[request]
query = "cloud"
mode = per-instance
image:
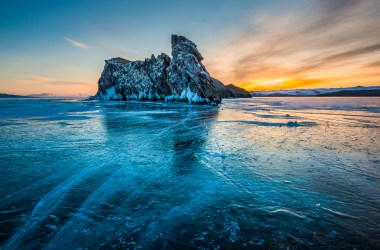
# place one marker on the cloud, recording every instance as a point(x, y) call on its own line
point(77, 44)
point(53, 81)
point(352, 53)
point(373, 64)
point(336, 58)
point(320, 39)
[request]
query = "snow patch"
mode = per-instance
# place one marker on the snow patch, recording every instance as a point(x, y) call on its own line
point(110, 95)
point(192, 97)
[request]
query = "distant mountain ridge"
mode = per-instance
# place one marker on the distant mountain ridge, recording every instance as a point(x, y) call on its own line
point(354, 91)
point(41, 96)
point(2, 95)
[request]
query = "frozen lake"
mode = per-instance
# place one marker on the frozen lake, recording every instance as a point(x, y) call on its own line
point(257, 173)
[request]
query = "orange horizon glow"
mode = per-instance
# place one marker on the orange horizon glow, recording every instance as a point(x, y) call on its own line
point(57, 87)
point(289, 84)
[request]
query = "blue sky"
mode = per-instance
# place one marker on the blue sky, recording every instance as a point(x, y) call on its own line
point(59, 47)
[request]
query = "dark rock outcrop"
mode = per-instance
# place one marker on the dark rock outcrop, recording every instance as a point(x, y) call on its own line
point(237, 92)
point(221, 88)
point(182, 78)
point(230, 90)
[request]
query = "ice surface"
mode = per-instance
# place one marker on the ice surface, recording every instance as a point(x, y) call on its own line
point(252, 173)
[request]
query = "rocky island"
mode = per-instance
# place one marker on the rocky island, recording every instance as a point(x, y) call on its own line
point(180, 78)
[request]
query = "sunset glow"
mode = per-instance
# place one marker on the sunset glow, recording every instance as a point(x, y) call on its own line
point(189, 124)
point(257, 45)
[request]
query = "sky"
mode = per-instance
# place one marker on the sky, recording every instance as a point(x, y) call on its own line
point(59, 47)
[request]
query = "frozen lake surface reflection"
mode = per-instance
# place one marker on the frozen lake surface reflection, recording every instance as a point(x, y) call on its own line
point(252, 173)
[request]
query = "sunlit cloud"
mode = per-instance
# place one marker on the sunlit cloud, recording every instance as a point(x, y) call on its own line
point(319, 44)
point(77, 44)
point(373, 64)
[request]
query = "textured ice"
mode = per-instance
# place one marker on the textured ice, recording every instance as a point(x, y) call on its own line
point(89, 174)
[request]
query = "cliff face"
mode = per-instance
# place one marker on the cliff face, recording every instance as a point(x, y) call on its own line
point(182, 78)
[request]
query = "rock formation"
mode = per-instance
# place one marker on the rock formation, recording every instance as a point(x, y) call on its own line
point(182, 78)
point(236, 92)
point(230, 90)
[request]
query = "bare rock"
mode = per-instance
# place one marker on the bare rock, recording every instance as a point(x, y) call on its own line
point(182, 78)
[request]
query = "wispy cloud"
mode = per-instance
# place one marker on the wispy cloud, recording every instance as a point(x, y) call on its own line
point(77, 44)
point(373, 64)
point(322, 40)
point(53, 81)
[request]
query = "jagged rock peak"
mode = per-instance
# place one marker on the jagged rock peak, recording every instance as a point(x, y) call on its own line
point(182, 78)
point(181, 44)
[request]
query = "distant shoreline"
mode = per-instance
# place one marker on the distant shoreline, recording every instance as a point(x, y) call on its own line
point(261, 96)
point(342, 92)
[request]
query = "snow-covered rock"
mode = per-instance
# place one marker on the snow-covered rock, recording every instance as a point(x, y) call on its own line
point(182, 78)
point(139, 80)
